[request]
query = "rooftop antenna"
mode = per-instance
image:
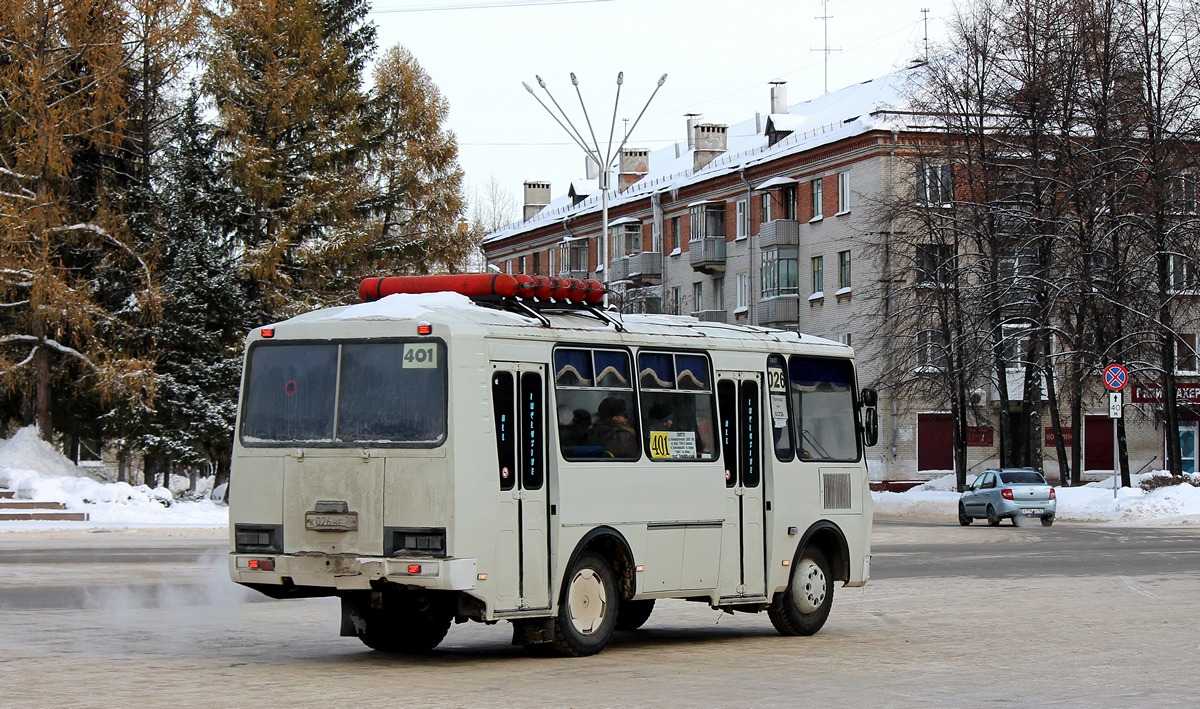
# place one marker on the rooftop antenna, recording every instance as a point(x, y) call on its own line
point(825, 17)
point(925, 12)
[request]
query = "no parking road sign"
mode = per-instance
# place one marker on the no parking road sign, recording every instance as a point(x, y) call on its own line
point(1115, 377)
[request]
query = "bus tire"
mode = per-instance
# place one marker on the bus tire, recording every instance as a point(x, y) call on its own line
point(803, 607)
point(408, 629)
point(634, 614)
point(587, 614)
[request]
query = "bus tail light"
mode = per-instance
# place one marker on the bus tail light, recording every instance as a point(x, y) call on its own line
point(1006, 493)
point(261, 564)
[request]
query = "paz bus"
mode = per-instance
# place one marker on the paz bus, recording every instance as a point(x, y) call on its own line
point(490, 447)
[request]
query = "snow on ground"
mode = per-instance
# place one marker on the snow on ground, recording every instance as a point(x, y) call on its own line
point(1094, 502)
point(34, 470)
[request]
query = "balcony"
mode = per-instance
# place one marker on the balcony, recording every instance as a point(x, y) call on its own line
point(780, 232)
point(581, 275)
point(708, 255)
point(644, 269)
point(711, 316)
point(779, 311)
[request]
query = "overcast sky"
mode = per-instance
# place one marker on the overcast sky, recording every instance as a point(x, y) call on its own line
point(719, 57)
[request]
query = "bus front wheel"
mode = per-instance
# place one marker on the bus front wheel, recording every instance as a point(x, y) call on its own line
point(803, 607)
point(587, 614)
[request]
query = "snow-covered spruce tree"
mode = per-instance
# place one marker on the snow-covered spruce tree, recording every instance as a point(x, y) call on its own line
point(291, 109)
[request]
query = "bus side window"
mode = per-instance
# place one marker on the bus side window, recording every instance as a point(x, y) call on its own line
point(504, 416)
point(778, 408)
point(597, 413)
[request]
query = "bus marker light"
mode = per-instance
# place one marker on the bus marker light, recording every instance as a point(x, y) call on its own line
point(414, 568)
point(267, 332)
point(424, 328)
point(787, 562)
point(640, 568)
point(481, 577)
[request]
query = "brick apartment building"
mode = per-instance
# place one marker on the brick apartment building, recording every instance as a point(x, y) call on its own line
point(775, 222)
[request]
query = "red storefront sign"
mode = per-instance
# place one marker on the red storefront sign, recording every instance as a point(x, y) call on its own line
point(979, 436)
point(1184, 393)
point(1067, 434)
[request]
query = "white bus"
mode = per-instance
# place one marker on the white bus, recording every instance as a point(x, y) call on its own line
point(432, 458)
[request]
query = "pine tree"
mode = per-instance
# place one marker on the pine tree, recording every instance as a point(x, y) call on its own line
point(419, 206)
point(291, 114)
point(62, 118)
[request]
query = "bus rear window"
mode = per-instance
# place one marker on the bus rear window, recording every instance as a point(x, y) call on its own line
point(380, 393)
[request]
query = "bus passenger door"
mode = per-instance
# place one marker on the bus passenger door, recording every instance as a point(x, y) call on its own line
point(522, 575)
point(744, 538)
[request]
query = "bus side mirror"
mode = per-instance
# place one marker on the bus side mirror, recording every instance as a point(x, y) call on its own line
point(870, 417)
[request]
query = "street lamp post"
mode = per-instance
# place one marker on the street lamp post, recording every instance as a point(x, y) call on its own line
point(593, 151)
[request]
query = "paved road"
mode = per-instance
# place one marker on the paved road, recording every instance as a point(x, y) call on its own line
point(1071, 616)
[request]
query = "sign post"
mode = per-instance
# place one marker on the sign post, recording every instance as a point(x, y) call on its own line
point(1115, 378)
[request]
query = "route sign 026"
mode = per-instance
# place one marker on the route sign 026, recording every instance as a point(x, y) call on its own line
point(1115, 377)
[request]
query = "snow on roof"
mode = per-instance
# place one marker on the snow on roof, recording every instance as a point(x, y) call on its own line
point(847, 112)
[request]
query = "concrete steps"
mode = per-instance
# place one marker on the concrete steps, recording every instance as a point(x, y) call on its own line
point(33, 510)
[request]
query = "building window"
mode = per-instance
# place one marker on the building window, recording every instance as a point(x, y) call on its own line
point(789, 202)
point(844, 338)
point(521, 265)
point(779, 272)
point(765, 199)
point(674, 239)
point(537, 262)
point(934, 185)
point(818, 198)
point(743, 219)
point(718, 294)
point(843, 192)
point(707, 222)
point(550, 261)
point(743, 290)
point(931, 350)
point(1185, 354)
point(818, 274)
point(625, 240)
point(573, 258)
point(1014, 345)
point(843, 270)
point(676, 296)
point(1183, 273)
point(935, 264)
point(1183, 193)
point(698, 296)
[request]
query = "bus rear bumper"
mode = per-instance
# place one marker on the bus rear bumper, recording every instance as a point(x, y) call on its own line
point(350, 573)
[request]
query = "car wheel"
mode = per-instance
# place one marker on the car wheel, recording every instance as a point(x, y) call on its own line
point(634, 614)
point(963, 518)
point(587, 613)
point(804, 606)
point(1047, 521)
point(993, 520)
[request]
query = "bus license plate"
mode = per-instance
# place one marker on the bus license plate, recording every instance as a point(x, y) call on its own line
point(331, 521)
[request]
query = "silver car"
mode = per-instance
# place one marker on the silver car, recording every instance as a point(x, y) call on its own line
point(1008, 492)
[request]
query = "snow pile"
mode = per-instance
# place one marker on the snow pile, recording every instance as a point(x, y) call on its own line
point(33, 470)
point(1094, 502)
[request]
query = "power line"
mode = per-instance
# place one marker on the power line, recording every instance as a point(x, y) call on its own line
point(476, 5)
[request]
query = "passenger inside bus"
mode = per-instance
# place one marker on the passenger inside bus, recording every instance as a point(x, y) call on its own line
point(577, 430)
point(612, 429)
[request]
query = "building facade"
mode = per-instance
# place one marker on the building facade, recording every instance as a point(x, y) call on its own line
point(781, 221)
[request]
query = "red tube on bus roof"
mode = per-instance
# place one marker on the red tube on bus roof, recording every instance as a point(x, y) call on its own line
point(468, 284)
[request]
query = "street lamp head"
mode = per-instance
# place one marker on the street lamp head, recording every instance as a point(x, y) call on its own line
point(662, 80)
point(620, 78)
point(574, 81)
point(527, 86)
point(539, 80)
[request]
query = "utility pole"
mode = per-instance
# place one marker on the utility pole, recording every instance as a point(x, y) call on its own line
point(592, 149)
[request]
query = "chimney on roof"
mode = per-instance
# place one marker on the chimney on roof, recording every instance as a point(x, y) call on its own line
point(634, 165)
point(537, 196)
point(692, 120)
point(710, 142)
point(779, 97)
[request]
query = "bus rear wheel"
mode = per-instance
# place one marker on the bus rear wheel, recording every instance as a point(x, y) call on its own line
point(634, 614)
point(587, 612)
point(411, 626)
point(803, 607)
